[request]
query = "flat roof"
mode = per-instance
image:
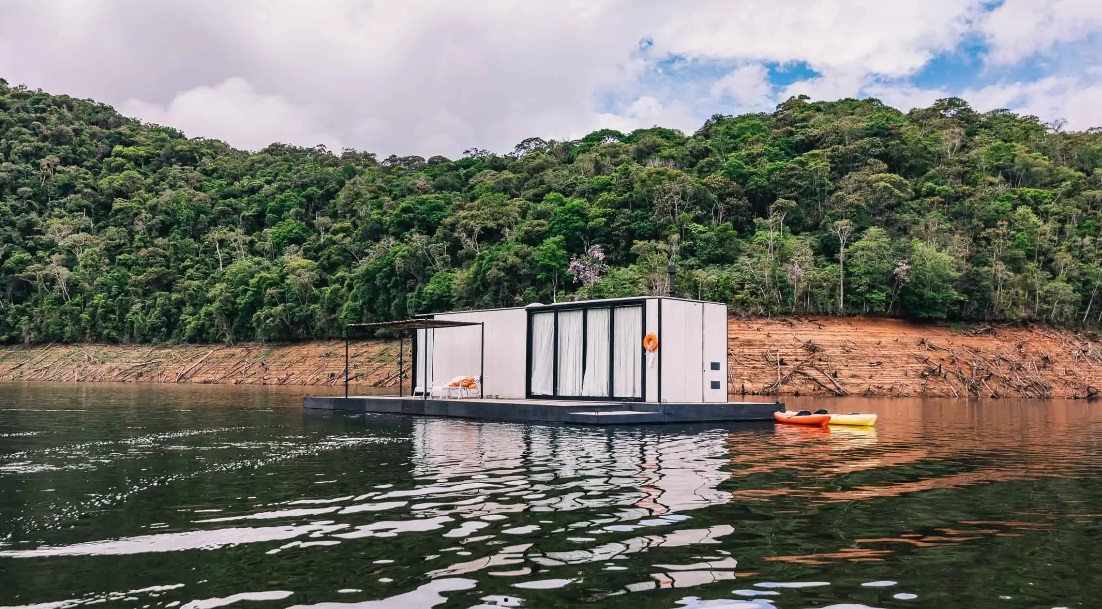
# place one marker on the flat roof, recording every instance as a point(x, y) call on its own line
point(414, 324)
point(576, 303)
point(600, 301)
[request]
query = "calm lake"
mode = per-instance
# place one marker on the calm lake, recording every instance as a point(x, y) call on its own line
point(203, 497)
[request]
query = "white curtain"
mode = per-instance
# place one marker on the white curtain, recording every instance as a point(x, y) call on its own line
point(627, 377)
point(570, 353)
point(595, 383)
point(423, 364)
point(543, 354)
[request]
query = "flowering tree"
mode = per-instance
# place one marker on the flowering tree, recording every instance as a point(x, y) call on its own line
point(796, 275)
point(588, 268)
point(902, 274)
point(795, 272)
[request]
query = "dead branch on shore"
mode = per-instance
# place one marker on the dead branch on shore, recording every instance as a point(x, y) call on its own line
point(390, 379)
point(815, 362)
point(781, 380)
point(193, 366)
point(838, 390)
point(811, 347)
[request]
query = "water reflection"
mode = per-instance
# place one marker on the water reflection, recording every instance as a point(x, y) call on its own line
point(209, 498)
point(655, 471)
point(427, 595)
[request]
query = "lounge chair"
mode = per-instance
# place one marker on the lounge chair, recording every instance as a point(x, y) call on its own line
point(472, 389)
point(449, 389)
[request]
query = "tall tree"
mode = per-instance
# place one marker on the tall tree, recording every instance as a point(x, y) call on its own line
point(842, 229)
point(114, 230)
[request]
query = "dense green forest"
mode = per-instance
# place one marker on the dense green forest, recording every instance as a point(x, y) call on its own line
point(114, 230)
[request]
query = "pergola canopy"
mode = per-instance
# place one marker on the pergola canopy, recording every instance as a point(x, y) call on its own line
point(424, 323)
point(414, 324)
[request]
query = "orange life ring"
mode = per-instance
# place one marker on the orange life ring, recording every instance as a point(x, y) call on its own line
point(650, 343)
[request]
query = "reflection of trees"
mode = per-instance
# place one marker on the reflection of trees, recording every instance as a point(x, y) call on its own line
point(995, 491)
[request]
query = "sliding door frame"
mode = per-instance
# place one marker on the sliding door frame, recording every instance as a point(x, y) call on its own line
point(640, 303)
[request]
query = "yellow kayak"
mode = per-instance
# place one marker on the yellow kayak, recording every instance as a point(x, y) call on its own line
point(857, 419)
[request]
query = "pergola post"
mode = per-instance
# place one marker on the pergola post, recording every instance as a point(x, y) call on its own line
point(346, 362)
point(401, 352)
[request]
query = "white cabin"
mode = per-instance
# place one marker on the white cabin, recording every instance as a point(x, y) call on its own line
point(588, 350)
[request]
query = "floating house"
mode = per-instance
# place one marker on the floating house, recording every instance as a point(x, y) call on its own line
point(614, 361)
point(588, 350)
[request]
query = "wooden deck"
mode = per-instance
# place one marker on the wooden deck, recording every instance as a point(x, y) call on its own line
point(550, 411)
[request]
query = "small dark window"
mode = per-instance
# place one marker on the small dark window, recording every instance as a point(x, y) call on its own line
point(715, 365)
point(715, 385)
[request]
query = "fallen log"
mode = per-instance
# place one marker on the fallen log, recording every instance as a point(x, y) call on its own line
point(193, 366)
point(776, 385)
point(830, 377)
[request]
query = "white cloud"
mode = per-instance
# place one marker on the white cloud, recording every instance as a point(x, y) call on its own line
point(235, 111)
point(829, 86)
point(1020, 94)
point(1083, 107)
point(416, 76)
point(889, 38)
point(1017, 29)
point(650, 112)
point(747, 85)
point(1049, 98)
point(904, 97)
point(439, 76)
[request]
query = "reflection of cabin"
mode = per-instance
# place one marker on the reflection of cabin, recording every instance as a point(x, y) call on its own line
point(674, 471)
point(590, 350)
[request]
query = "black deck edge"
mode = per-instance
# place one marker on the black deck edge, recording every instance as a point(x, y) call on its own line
point(535, 412)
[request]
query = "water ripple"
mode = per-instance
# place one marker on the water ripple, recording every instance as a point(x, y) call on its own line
point(278, 509)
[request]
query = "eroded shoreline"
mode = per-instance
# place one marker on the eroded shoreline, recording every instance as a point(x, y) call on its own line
point(794, 356)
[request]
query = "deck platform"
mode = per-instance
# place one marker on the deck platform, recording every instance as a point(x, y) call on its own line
point(550, 411)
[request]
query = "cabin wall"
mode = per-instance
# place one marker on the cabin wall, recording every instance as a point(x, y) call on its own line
point(681, 344)
point(715, 352)
point(693, 346)
point(457, 351)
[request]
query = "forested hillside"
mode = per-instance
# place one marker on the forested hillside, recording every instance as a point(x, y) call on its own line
point(111, 230)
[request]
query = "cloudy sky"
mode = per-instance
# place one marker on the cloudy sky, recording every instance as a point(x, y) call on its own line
point(440, 76)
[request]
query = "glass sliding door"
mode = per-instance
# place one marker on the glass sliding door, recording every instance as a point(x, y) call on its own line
point(627, 362)
point(543, 354)
point(571, 337)
point(598, 354)
point(587, 352)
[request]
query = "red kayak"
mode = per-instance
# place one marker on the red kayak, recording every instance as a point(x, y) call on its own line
point(791, 418)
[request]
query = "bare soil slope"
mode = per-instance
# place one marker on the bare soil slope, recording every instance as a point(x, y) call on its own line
point(372, 363)
point(885, 357)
